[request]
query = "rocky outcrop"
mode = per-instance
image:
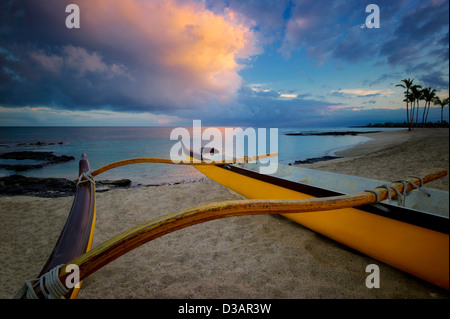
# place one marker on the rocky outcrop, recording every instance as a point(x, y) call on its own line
point(316, 159)
point(48, 158)
point(35, 186)
point(48, 187)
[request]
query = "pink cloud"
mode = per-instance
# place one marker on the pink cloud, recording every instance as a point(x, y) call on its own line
point(158, 55)
point(50, 63)
point(77, 60)
point(335, 107)
point(183, 54)
point(83, 61)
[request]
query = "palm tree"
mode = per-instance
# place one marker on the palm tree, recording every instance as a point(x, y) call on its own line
point(428, 95)
point(407, 85)
point(416, 97)
point(409, 98)
point(437, 101)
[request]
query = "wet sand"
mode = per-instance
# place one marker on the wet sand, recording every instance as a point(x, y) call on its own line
point(240, 257)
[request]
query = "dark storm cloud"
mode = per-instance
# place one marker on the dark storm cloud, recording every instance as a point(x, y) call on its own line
point(267, 109)
point(156, 56)
point(408, 34)
point(422, 28)
point(436, 80)
point(131, 57)
point(268, 16)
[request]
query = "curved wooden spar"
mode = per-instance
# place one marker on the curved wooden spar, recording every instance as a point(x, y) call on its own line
point(110, 166)
point(141, 234)
point(78, 232)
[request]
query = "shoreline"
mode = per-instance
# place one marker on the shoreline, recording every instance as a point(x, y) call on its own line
point(394, 155)
point(380, 141)
point(259, 256)
point(50, 187)
point(17, 184)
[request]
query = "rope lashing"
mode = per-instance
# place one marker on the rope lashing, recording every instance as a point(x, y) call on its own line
point(374, 192)
point(388, 188)
point(421, 184)
point(419, 178)
point(86, 177)
point(49, 283)
point(400, 195)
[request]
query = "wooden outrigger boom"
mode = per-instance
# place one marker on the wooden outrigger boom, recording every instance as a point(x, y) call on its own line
point(139, 235)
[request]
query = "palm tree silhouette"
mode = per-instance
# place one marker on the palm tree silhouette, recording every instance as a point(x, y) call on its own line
point(407, 85)
point(416, 97)
point(428, 94)
point(437, 101)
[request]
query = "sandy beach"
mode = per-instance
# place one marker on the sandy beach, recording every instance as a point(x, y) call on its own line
point(240, 257)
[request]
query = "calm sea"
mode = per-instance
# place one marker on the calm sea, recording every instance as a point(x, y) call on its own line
point(104, 145)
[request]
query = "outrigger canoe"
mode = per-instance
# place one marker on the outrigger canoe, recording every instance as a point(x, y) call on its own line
point(411, 235)
point(408, 232)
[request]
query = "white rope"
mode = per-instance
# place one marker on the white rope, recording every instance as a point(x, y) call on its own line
point(401, 196)
point(388, 188)
point(86, 177)
point(51, 286)
point(420, 186)
point(28, 289)
point(418, 177)
point(374, 192)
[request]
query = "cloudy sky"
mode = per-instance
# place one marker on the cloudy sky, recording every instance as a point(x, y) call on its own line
point(225, 62)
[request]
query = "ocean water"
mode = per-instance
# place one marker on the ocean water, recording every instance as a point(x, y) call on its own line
point(105, 145)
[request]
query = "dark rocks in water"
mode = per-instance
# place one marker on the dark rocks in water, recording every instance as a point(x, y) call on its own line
point(39, 143)
point(47, 187)
point(317, 159)
point(35, 186)
point(21, 167)
point(49, 157)
point(38, 156)
point(116, 183)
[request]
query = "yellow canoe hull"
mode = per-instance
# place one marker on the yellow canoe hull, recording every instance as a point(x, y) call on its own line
point(416, 250)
